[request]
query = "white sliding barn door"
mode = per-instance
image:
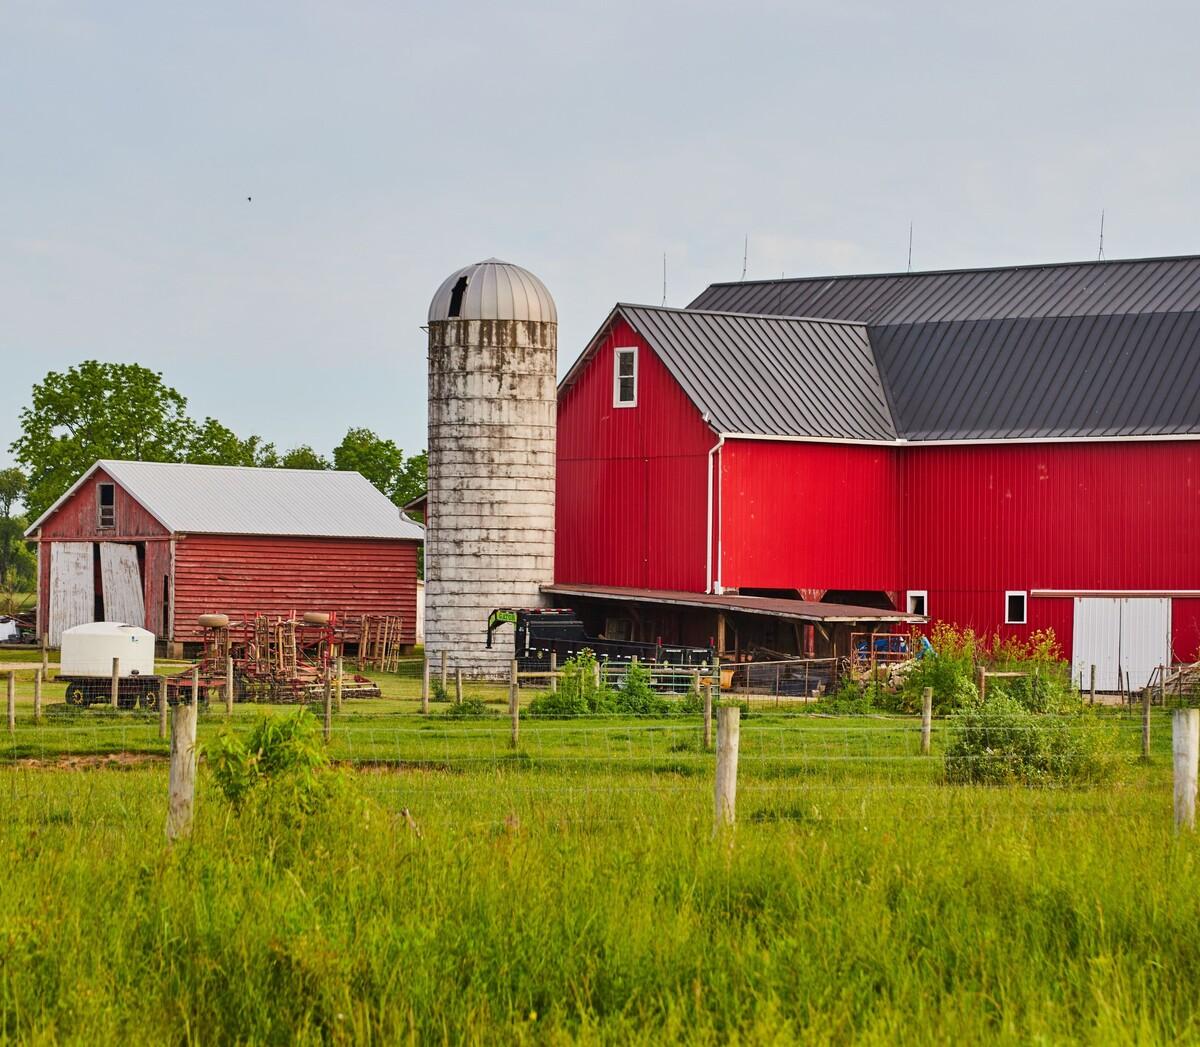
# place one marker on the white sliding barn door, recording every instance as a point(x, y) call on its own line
point(124, 600)
point(72, 587)
point(1122, 637)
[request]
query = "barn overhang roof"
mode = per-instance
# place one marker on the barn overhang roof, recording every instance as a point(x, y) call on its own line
point(795, 610)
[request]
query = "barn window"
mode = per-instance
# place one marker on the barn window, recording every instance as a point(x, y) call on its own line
point(918, 601)
point(625, 378)
point(1015, 609)
point(106, 506)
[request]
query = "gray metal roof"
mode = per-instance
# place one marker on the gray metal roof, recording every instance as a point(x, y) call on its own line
point(768, 374)
point(223, 499)
point(493, 290)
point(1079, 350)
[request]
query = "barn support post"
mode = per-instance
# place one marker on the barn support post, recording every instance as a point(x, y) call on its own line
point(1185, 755)
point(328, 707)
point(162, 707)
point(514, 703)
point(554, 672)
point(458, 692)
point(926, 719)
point(1146, 723)
point(116, 681)
point(228, 687)
point(425, 685)
point(37, 696)
point(12, 702)
point(708, 707)
point(182, 773)
point(725, 788)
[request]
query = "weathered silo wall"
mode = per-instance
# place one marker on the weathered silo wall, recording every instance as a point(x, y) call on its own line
point(489, 539)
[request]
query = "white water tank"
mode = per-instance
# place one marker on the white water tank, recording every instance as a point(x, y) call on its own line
point(489, 522)
point(88, 650)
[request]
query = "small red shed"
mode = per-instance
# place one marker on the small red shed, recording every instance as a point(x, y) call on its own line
point(159, 544)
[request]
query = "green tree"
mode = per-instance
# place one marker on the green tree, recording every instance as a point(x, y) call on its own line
point(383, 463)
point(215, 444)
point(302, 457)
point(97, 410)
point(18, 568)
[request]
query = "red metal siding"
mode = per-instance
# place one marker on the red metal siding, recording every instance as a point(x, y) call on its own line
point(809, 516)
point(632, 492)
point(242, 576)
point(77, 520)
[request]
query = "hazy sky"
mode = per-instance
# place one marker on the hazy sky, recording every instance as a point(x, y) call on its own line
point(386, 144)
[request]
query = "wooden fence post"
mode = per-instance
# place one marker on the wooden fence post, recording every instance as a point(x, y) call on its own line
point(445, 671)
point(37, 696)
point(195, 685)
point(162, 707)
point(1092, 688)
point(708, 706)
point(425, 684)
point(982, 684)
point(553, 672)
point(1162, 686)
point(182, 774)
point(458, 685)
point(926, 719)
point(596, 675)
point(116, 681)
point(12, 702)
point(228, 687)
point(339, 683)
point(45, 653)
point(725, 791)
point(696, 682)
point(328, 707)
point(1185, 754)
point(1146, 723)
point(514, 703)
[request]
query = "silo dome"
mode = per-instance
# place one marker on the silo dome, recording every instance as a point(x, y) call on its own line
point(493, 290)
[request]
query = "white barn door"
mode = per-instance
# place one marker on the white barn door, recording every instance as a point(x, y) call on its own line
point(1127, 636)
point(124, 600)
point(72, 587)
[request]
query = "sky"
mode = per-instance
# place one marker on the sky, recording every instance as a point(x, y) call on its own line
point(258, 200)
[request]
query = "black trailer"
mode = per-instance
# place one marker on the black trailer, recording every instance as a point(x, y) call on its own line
point(538, 631)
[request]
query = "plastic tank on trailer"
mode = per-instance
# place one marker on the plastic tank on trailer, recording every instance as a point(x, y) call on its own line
point(88, 650)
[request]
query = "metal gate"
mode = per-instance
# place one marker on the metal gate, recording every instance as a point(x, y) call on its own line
point(1125, 638)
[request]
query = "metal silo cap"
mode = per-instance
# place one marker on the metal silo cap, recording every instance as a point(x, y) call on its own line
point(493, 290)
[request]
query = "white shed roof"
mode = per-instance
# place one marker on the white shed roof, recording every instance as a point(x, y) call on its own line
point(230, 499)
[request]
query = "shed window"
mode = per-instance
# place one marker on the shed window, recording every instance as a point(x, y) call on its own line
point(106, 506)
point(625, 378)
point(917, 601)
point(1015, 607)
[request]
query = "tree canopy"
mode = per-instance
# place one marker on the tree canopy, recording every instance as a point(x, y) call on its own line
point(126, 411)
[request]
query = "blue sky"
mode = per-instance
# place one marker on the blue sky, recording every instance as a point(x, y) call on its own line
point(385, 145)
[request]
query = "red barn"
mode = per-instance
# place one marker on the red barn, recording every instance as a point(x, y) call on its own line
point(1010, 449)
point(159, 545)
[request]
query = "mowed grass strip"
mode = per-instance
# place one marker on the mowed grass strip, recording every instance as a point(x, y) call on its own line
point(571, 890)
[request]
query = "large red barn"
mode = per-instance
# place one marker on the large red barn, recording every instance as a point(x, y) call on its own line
point(159, 544)
point(1010, 449)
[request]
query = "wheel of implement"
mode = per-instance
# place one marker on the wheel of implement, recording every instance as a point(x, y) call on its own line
point(214, 621)
point(316, 618)
point(76, 696)
point(150, 699)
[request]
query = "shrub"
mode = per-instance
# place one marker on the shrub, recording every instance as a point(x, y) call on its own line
point(636, 696)
point(949, 669)
point(438, 693)
point(1003, 743)
point(577, 693)
point(470, 708)
point(282, 756)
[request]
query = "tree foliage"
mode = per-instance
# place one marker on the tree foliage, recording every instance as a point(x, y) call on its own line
point(383, 463)
point(18, 568)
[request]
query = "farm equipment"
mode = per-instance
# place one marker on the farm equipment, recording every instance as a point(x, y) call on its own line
point(538, 631)
point(86, 665)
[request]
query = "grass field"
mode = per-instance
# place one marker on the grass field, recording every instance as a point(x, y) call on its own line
point(572, 891)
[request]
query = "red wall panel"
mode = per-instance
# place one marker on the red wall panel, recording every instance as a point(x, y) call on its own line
point(809, 516)
point(242, 576)
point(632, 492)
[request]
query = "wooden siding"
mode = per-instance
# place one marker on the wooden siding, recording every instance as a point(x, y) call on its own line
point(77, 520)
point(242, 576)
point(631, 503)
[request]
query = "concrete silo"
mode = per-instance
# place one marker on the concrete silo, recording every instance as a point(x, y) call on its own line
point(489, 539)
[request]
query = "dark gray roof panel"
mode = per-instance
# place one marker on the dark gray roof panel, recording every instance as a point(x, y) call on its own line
point(1089, 349)
point(771, 375)
point(1071, 289)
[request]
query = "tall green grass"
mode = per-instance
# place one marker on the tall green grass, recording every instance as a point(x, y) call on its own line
point(573, 891)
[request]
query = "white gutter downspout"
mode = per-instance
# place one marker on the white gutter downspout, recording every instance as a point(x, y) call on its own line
point(709, 549)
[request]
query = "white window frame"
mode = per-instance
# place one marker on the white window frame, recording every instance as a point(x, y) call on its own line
point(1024, 594)
point(617, 353)
point(923, 594)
